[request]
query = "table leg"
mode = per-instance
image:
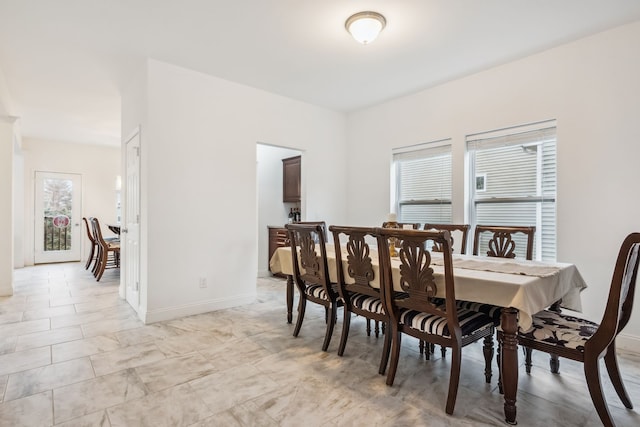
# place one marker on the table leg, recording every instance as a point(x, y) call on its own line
point(289, 298)
point(509, 362)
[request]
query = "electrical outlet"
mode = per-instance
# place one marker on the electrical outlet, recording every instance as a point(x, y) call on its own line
point(203, 282)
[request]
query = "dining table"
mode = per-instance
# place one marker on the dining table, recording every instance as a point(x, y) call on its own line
point(115, 228)
point(522, 288)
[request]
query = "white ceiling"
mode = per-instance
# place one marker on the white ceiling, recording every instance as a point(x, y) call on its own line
point(65, 62)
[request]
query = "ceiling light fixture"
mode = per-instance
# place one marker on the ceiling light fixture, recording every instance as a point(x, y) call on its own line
point(365, 26)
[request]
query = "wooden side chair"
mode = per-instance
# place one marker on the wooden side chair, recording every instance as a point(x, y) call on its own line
point(587, 342)
point(463, 229)
point(404, 225)
point(451, 228)
point(358, 294)
point(322, 224)
point(92, 241)
point(414, 312)
point(311, 275)
point(104, 249)
point(501, 243)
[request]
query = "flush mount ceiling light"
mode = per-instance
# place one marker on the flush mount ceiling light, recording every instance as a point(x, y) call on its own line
point(365, 26)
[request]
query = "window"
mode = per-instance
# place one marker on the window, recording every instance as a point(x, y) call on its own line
point(423, 182)
point(514, 173)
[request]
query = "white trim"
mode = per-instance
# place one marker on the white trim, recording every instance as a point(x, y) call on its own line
point(169, 313)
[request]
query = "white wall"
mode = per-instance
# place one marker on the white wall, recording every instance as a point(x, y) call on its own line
point(98, 166)
point(590, 86)
point(271, 209)
point(199, 182)
point(7, 133)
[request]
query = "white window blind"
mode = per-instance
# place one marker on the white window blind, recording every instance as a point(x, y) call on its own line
point(423, 182)
point(513, 174)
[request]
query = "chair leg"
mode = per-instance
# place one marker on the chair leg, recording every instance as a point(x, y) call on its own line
point(345, 330)
point(498, 360)
point(421, 346)
point(443, 351)
point(386, 348)
point(90, 258)
point(454, 379)
point(102, 266)
point(396, 340)
point(554, 364)
point(368, 327)
point(611, 362)
point(377, 328)
point(527, 359)
point(487, 350)
point(302, 305)
point(331, 314)
point(592, 374)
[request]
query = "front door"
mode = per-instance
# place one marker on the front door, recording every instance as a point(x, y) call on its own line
point(57, 217)
point(131, 235)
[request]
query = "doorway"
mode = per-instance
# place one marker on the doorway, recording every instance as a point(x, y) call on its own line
point(131, 230)
point(272, 210)
point(57, 217)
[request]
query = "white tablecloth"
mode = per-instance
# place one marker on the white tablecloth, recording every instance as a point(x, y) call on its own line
point(528, 286)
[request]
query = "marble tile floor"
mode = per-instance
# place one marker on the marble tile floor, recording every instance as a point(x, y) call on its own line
point(73, 354)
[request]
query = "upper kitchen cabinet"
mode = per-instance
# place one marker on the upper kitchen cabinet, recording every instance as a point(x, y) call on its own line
point(291, 179)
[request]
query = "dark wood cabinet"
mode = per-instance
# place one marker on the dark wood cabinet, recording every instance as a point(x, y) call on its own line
point(291, 179)
point(278, 237)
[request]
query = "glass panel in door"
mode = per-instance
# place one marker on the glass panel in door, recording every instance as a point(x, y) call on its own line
point(57, 220)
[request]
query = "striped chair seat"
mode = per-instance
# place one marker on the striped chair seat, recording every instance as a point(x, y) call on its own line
point(366, 302)
point(470, 322)
point(560, 330)
point(493, 311)
point(316, 291)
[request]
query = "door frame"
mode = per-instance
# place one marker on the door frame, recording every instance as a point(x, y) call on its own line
point(131, 251)
point(40, 256)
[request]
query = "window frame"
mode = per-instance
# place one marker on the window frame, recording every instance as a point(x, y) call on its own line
point(416, 152)
point(535, 134)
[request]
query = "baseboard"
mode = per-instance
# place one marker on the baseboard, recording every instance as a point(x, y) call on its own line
point(170, 313)
point(264, 273)
point(629, 343)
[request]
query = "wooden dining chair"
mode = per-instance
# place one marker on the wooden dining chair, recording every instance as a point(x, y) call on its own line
point(414, 312)
point(322, 224)
point(587, 342)
point(463, 229)
point(403, 225)
point(105, 248)
point(359, 295)
point(311, 275)
point(92, 242)
point(501, 244)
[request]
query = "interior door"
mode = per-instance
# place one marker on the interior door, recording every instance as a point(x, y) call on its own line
point(57, 216)
point(131, 231)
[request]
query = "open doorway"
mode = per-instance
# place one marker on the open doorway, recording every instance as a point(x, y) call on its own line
point(272, 210)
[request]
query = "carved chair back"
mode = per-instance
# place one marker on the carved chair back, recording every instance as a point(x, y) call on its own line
point(358, 267)
point(463, 229)
point(321, 224)
point(404, 225)
point(309, 256)
point(501, 243)
point(417, 281)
